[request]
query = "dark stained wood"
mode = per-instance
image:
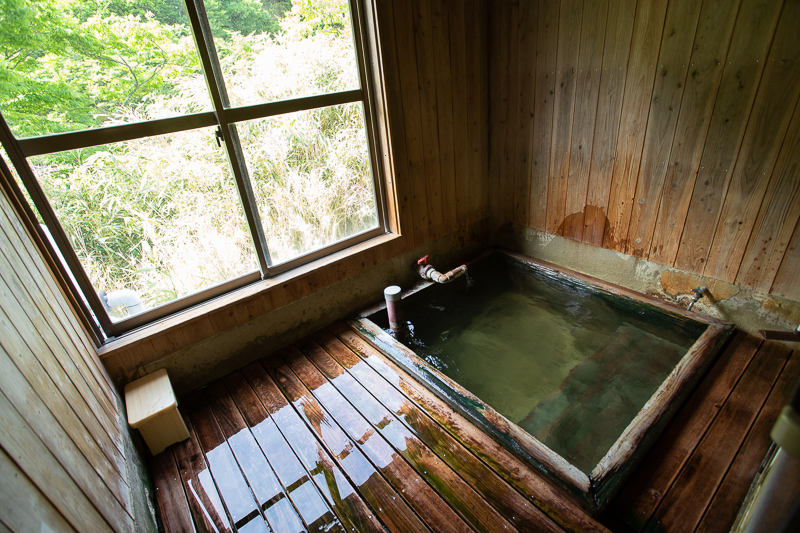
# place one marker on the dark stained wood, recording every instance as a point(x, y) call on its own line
point(412, 484)
point(491, 487)
point(295, 455)
point(205, 505)
point(460, 494)
point(643, 491)
point(721, 514)
point(684, 505)
point(172, 501)
point(274, 499)
point(372, 486)
point(233, 488)
point(556, 503)
point(526, 76)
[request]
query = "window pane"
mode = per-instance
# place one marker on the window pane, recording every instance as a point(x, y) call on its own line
point(159, 216)
point(312, 178)
point(302, 48)
point(72, 65)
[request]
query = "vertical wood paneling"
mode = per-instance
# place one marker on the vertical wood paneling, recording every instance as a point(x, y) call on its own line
point(526, 76)
point(766, 128)
point(60, 424)
point(587, 89)
point(618, 33)
point(647, 30)
point(673, 160)
point(708, 57)
point(778, 216)
point(569, 40)
point(740, 77)
point(546, 50)
point(665, 103)
point(458, 78)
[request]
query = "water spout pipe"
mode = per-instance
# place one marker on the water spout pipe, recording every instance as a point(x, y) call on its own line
point(393, 308)
point(427, 271)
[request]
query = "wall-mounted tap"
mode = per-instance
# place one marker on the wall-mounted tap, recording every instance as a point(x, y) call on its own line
point(699, 292)
point(427, 271)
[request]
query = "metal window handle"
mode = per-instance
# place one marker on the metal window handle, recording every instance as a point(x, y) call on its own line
point(218, 137)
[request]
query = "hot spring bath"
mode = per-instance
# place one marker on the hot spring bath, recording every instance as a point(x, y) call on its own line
point(574, 376)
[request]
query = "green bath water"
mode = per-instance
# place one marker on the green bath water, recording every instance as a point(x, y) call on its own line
point(569, 365)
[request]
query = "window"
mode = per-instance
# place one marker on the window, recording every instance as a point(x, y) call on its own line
point(175, 152)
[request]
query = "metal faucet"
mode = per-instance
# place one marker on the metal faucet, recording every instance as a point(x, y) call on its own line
point(699, 292)
point(427, 271)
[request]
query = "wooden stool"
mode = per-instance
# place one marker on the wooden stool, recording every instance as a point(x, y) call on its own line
point(153, 410)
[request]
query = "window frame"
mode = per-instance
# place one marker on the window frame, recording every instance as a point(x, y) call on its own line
point(224, 118)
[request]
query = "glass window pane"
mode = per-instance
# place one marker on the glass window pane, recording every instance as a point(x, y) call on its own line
point(300, 48)
point(73, 65)
point(312, 178)
point(159, 216)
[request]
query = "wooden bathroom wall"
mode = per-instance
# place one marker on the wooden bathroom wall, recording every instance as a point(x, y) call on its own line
point(667, 130)
point(62, 457)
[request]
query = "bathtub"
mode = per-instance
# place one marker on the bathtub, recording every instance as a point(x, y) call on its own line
point(575, 376)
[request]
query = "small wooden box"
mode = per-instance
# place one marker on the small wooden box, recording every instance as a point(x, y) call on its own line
point(153, 410)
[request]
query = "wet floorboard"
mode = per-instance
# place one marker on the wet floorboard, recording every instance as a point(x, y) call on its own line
point(328, 435)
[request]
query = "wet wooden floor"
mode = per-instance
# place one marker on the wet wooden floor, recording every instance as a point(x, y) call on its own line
point(328, 435)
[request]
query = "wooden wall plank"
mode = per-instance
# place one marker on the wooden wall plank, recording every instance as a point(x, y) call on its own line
point(429, 113)
point(410, 95)
point(647, 31)
point(481, 142)
point(546, 52)
point(526, 76)
point(458, 91)
point(587, 90)
point(511, 118)
point(440, 28)
point(569, 41)
point(22, 506)
point(618, 33)
point(777, 94)
point(740, 77)
point(777, 217)
point(708, 57)
point(31, 455)
point(665, 104)
point(785, 283)
point(499, 104)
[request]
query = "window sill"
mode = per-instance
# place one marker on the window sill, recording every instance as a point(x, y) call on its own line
point(155, 340)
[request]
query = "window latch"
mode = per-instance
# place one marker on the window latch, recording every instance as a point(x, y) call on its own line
point(218, 137)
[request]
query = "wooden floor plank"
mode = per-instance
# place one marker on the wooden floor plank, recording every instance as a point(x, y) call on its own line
point(643, 492)
point(683, 506)
point(205, 504)
point(721, 514)
point(497, 492)
point(552, 500)
point(308, 459)
point(279, 504)
point(395, 513)
point(236, 495)
point(171, 499)
point(459, 493)
point(299, 377)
